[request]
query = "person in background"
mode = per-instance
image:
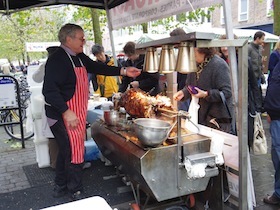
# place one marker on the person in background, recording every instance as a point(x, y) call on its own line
point(212, 76)
point(254, 102)
point(66, 98)
point(23, 68)
point(107, 85)
point(6, 69)
point(92, 78)
point(38, 77)
point(181, 78)
point(145, 81)
point(255, 55)
point(274, 58)
point(223, 51)
point(254, 96)
point(272, 107)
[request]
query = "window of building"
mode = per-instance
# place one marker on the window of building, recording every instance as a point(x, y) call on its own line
point(269, 7)
point(243, 10)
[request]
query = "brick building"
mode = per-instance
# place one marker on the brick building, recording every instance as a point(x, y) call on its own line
point(247, 14)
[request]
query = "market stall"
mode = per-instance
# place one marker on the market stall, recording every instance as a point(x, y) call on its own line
point(155, 154)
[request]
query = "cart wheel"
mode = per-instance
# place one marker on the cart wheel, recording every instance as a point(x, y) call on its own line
point(134, 206)
point(190, 201)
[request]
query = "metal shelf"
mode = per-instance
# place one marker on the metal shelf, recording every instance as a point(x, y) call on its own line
point(173, 40)
point(198, 39)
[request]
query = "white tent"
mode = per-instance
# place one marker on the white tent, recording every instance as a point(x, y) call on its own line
point(240, 33)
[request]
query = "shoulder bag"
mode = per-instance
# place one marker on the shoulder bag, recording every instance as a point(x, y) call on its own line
point(259, 142)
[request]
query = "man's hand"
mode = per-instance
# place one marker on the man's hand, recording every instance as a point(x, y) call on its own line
point(134, 84)
point(132, 71)
point(70, 119)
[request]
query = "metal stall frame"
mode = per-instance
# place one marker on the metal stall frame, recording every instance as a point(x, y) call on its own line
point(199, 39)
point(18, 107)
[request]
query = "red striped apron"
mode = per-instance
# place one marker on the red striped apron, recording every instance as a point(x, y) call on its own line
point(78, 104)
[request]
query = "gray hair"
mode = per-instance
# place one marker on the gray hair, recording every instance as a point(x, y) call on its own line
point(177, 32)
point(97, 49)
point(68, 29)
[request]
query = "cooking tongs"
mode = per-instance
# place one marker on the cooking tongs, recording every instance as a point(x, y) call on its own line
point(178, 115)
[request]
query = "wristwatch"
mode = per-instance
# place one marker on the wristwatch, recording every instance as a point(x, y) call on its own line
point(124, 71)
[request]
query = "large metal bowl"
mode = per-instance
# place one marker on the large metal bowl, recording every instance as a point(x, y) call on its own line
point(151, 132)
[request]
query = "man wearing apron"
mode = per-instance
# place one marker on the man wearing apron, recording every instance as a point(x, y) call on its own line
point(66, 95)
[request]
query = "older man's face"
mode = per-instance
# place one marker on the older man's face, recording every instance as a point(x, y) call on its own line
point(76, 43)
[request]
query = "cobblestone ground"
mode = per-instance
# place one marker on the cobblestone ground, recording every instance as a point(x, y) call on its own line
point(12, 158)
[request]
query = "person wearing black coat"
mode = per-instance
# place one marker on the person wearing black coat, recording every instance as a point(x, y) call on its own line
point(145, 81)
point(272, 107)
point(65, 90)
point(254, 102)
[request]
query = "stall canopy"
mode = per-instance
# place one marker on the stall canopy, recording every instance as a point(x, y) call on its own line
point(10, 6)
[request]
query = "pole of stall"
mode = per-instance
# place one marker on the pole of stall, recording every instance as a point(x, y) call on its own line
point(109, 21)
point(240, 101)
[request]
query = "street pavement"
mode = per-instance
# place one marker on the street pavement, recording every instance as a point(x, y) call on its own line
point(12, 159)
point(13, 178)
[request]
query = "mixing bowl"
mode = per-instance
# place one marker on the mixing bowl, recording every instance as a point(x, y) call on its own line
point(151, 132)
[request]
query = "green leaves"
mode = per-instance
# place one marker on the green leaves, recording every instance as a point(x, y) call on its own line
point(34, 25)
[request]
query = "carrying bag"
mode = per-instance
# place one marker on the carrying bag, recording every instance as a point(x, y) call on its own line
point(214, 122)
point(193, 113)
point(259, 142)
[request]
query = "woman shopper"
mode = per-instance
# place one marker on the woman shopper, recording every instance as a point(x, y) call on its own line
point(211, 78)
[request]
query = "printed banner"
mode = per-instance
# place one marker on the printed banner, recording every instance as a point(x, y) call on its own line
point(140, 11)
point(39, 46)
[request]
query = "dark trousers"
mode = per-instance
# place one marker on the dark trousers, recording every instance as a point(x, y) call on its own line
point(53, 151)
point(250, 131)
point(67, 174)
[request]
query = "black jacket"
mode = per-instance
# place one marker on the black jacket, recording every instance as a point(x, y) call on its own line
point(272, 99)
point(147, 81)
point(60, 79)
point(254, 93)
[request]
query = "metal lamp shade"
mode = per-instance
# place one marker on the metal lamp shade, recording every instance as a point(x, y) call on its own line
point(167, 60)
point(186, 60)
point(151, 61)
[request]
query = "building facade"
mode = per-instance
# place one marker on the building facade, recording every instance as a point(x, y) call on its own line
point(247, 14)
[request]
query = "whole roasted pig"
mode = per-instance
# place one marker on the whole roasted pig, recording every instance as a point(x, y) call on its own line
point(137, 103)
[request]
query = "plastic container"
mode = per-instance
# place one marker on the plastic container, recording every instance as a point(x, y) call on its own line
point(42, 152)
point(37, 102)
point(38, 130)
point(93, 115)
point(107, 105)
point(92, 151)
point(30, 71)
